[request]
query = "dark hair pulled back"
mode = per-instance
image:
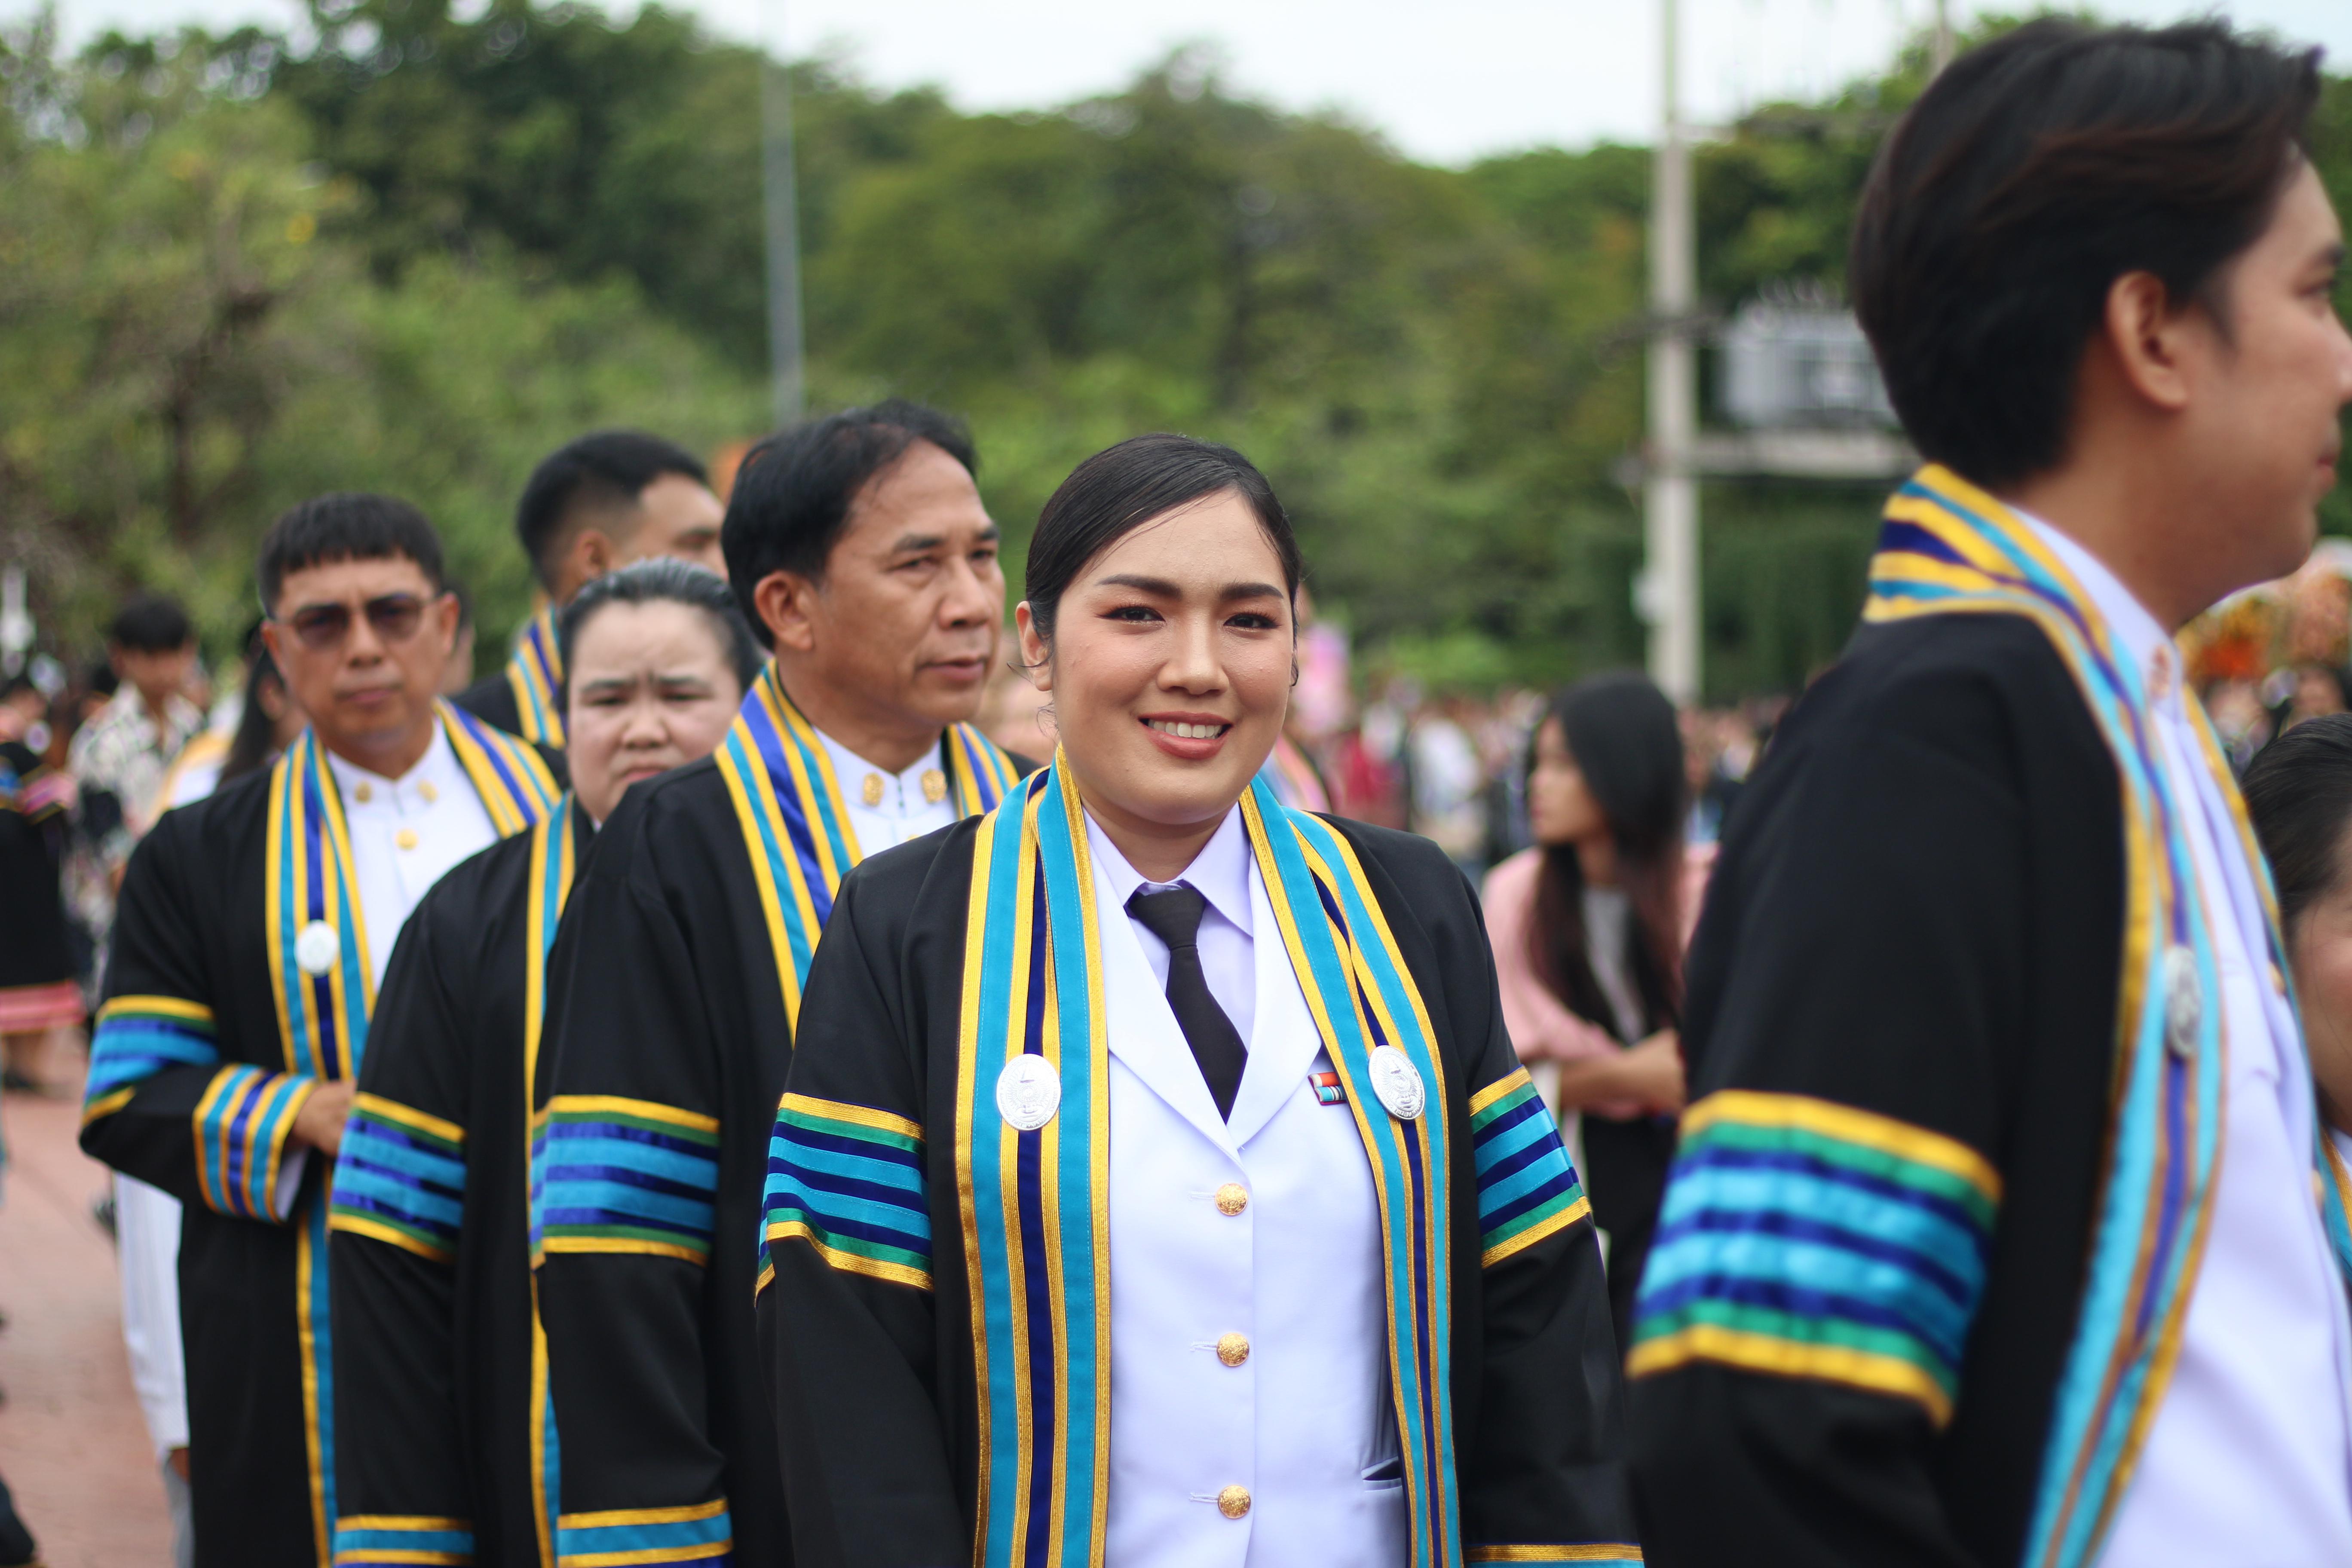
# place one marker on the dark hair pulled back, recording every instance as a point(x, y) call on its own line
point(2299, 793)
point(1120, 488)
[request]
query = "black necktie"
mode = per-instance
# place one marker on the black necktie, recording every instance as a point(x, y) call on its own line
point(1173, 915)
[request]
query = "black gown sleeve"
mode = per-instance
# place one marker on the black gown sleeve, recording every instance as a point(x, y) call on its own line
point(164, 1101)
point(1545, 1465)
point(399, 1204)
point(847, 1314)
point(625, 1177)
point(1821, 1249)
point(1541, 1429)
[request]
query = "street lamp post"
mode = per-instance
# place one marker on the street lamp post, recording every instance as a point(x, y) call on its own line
point(1670, 580)
point(780, 196)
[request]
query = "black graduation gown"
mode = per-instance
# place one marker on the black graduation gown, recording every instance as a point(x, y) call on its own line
point(663, 989)
point(433, 1321)
point(1914, 911)
point(873, 1379)
point(666, 1018)
point(492, 701)
point(190, 924)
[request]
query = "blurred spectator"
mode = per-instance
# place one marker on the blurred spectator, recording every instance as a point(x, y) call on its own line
point(2319, 689)
point(1587, 930)
point(1447, 779)
point(119, 756)
point(37, 988)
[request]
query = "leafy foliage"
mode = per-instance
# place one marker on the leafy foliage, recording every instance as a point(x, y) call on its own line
point(422, 250)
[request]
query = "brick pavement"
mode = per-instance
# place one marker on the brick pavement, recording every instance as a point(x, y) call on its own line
point(73, 1445)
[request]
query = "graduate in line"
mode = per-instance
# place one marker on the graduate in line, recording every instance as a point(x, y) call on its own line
point(440, 1372)
point(1155, 1181)
point(594, 504)
point(860, 543)
point(254, 930)
point(1991, 1237)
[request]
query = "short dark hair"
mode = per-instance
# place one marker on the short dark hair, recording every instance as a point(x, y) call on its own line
point(604, 471)
point(792, 491)
point(347, 525)
point(679, 582)
point(2299, 793)
point(2032, 173)
point(151, 623)
point(1120, 488)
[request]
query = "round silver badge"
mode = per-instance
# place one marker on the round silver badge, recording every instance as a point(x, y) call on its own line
point(1398, 1084)
point(317, 948)
point(2184, 1001)
point(1028, 1092)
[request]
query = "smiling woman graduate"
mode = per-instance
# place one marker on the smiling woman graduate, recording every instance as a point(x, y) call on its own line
point(1154, 1181)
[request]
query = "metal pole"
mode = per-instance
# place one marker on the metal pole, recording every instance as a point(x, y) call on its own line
point(1670, 588)
point(779, 194)
point(1940, 51)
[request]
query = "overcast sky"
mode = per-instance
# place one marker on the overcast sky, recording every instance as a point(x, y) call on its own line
point(1445, 82)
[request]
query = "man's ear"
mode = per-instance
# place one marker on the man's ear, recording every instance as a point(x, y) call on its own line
point(2153, 339)
point(786, 602)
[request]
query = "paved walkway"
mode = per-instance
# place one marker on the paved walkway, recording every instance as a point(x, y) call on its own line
point(73, 1445)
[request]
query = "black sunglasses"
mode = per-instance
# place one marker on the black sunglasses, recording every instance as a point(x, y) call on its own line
point(394, 617)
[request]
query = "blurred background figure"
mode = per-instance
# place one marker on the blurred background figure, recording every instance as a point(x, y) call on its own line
point(1587, 928)
point(120, 754)
point(2299, 793)
point(38, 992)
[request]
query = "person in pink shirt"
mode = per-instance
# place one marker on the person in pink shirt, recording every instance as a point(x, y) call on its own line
point(1588, 929)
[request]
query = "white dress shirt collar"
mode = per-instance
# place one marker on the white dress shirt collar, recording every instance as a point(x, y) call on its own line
point(1219, 873)
point(436, 773)
point(2142, 638)
point(887, 808)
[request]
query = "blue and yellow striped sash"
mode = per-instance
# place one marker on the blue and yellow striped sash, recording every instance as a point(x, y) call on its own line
point(535, 675)
point(1035, 1229)
point(1949, 548)
point(322, 1019)
point(795, 827)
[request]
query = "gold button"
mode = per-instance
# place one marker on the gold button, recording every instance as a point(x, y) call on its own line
point(1231, 1198)
point(1234, 1501)
point(1233, 1348)
point(871, 789)
point(406, 839)
point(424, 787)
point(365, 791)
point(935, 786)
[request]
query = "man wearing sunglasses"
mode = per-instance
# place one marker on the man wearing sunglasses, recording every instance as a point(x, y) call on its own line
point(592, 506)
point(252, 929)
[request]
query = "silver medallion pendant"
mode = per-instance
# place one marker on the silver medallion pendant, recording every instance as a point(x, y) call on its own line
point(2184, 1001)
point(317, 947)
point(1397, 1083)
point(1028, 1092)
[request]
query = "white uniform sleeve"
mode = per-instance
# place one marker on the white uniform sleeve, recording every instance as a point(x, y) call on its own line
point(147, 1236)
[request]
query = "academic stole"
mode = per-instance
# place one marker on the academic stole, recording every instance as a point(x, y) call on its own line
point(796, 826)
point(1949, 548)
point(1035, 1223)
point(323, 1019)
point(535, 672)
point(553, 862)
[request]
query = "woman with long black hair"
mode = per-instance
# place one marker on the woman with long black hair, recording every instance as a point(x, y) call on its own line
point(1589, 928)
point(1154, 1183)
